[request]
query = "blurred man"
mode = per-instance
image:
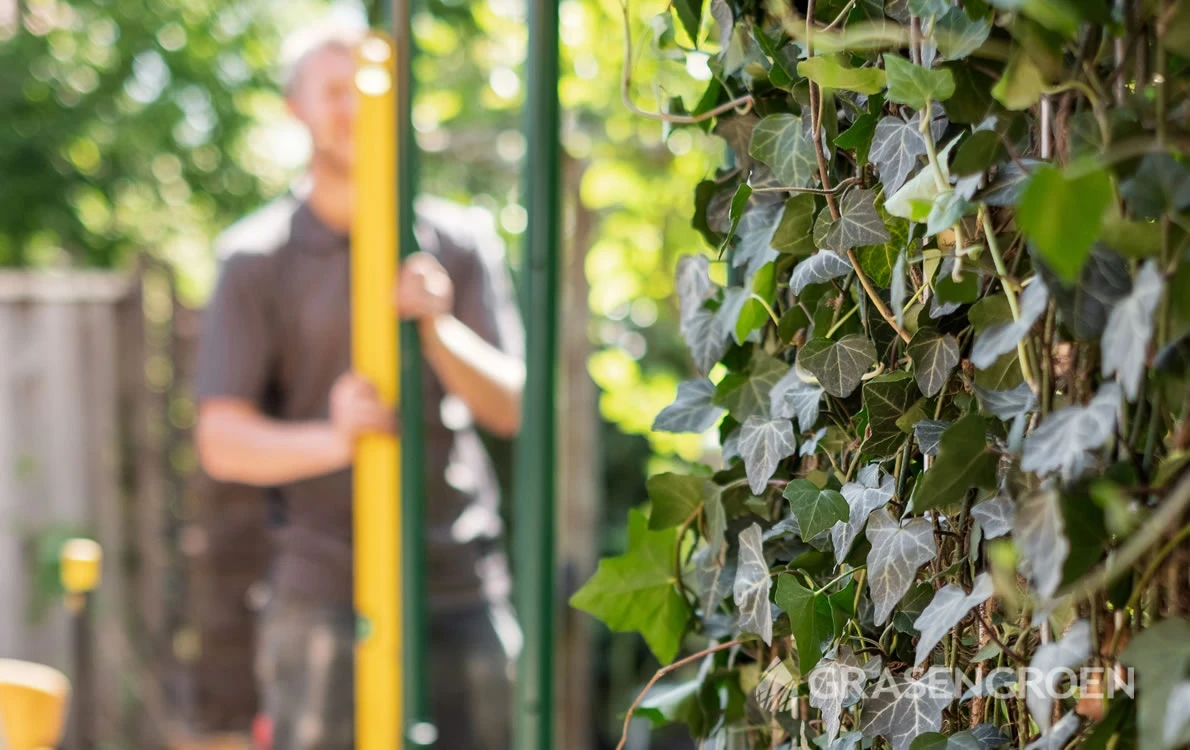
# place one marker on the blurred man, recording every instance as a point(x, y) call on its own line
point(279, 408)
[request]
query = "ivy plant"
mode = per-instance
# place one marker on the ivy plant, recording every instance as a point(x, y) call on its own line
point(942, 329)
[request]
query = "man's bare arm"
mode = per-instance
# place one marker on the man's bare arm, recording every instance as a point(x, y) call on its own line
point(489, 381)
point(237, 443)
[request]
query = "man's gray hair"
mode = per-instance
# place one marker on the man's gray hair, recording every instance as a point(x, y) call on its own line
point(299, 46)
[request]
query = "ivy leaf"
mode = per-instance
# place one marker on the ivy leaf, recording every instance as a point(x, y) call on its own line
point(763, 443)
point(927, 8)
point(863, 498)
point(735, 212)
point(1006, 189)
point(816, 269)
point(1022, 84)
point(737, 131)
point(1160, 655)
point(1129, 329)
point(793, 397)
point(1003, 338)
point(1161, 184)
point(834, 683)
point(694, 287)
point(1062, 216)
point(989, 736)
point(896, 147)
point(1039, 532)
point(809, 619)
point(1007, 404)
point(948, 607)
point(878, 261)
point(1062, 442)
point(747, 394)
point(902, 709)
point(674, 498)
point(958, 35)
point(712, 578)
point(728, 314)
point(832, 72)
point(964, 461)
point(914, 85)
point(705, 340)
point(919, 192)
point(756, 230)
point(752, 587)
point(934, 358)
point(1058, 735)
point(793, 234)
point(886, 398)
point(690, 14)
point(838, 365)
point(897, 290)
point(995, 516)
point(691, 411)
point(781, 142)
point(858, 137)
point(1048, 664)
point(948, 207)
point(898, 550)
point(1177, 715)
point(724, 17)
point(929, 435)
point(1085, 306)
point(816, 510)
point(858, 223)
point(635, 591)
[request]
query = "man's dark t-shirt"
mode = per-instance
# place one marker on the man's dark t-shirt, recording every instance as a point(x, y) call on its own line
point(277, 332)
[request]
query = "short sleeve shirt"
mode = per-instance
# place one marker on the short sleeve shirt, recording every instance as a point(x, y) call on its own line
point(277, 333)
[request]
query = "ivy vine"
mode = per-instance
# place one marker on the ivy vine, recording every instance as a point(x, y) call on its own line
point(943, 328)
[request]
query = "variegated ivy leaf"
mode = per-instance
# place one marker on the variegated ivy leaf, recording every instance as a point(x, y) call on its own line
point(746, 394)
point(816, 509)
point(896, 147)
point(858, 223)
point(793, 397)
point(713, 579)
point(1160, 655)
point(947, 609)
point(1129, 329)
point(901, 709)
point(692, 410)
point(694, 286)
point(929, 435)
point(763, 443)
point(1007, 404)
point(752, 587)
point(1049, 663)
point(886, 398)
point(705, 340)
point(898, 550)
point(836, 682)
point(897, 290)
point(927, 8)
point(880, 260)
point(990, 737)
point(994, 516)
point(1009, 183)
point(1003, 337)
point(934, 356)
point(1058, 735)
point(755, 234)
point(958, 35)
point(838, 365)
point(728, 314)
point(1039, 532)
point(938, 741)
point(869, 494)
point(913, 199)
point(816, 269)
point(1063, 441)
point(1177, 714)
point(781, 142)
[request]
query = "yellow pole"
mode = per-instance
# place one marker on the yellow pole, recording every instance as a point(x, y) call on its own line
point(378, 688)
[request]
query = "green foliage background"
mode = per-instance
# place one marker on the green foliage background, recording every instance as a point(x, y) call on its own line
point(938, 325)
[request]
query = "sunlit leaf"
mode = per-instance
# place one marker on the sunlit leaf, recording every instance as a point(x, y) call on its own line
point(948, 607)
point(832, 72)
point(898, 550)
point(1022, 84)
point(1062, 215)
point(914, 85)
point(690, 14)
point(763, 443)
point(752, 586)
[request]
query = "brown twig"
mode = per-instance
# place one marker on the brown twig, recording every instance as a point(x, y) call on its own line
point(1004, 649)
point(661, 673)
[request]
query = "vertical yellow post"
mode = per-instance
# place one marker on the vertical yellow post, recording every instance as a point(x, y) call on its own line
point(374, 352)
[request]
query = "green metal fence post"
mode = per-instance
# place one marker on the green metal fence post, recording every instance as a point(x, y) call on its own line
point(534, 497)
point(418, 729)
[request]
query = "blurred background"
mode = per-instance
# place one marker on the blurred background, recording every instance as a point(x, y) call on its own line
point(131, 133)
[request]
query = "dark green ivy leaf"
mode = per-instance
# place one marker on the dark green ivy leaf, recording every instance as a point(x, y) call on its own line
point(959, 35)
point(816, 510)
point(793, 235)
point(738, 202)
point(674, 498)
point(934, 358)
point(746, 394)
point(964, 461)
point(1062, 215)
point(1161, 184)
point(972, 93)
point(781, 142)
point(809, 619)
point(914, 85)
point(838, 365)
point(858, 223)
point(886, 397)
point(690, 14)
point(858, 137)
point(978, 153)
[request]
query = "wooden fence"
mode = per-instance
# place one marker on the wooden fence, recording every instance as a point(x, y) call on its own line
point(94, 441)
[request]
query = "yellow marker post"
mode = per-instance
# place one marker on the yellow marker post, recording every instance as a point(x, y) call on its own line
point(378, 686)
